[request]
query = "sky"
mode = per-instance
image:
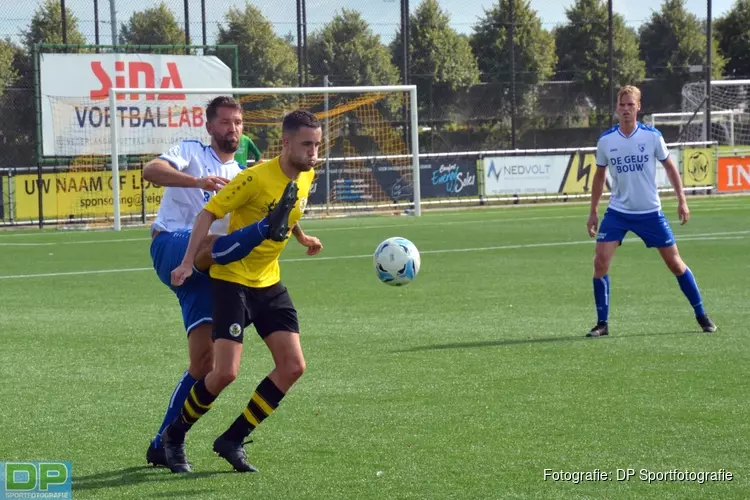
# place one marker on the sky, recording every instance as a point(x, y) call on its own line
point(382, 15)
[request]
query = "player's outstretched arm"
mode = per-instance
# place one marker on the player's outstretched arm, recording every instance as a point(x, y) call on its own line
point(674, 178)
point(313, 244)
point(161, 173)
point(597, 189)
point(197, 235)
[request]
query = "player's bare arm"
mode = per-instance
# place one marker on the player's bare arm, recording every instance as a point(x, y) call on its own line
point(200, 231)
point(674, 178)
point(597, 189)
point(313, 244)
point(161, 173)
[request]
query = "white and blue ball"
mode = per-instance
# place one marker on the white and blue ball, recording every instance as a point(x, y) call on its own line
point(396, 261)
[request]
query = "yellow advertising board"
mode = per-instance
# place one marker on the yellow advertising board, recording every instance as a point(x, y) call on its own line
point(580, 174)
point(82, 194)
point(698, 167)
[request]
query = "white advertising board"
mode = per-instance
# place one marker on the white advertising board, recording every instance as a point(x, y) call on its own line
point(524, 174)
point(76, 118)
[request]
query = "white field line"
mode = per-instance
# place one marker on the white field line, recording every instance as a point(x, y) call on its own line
point(331, 229)
point(121, 240)
point(82, 242)
point(317, 230)
point(313, 222)
point(736, 235)
point(75, 273)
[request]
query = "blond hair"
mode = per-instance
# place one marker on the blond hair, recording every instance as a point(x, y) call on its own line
point(631, 90)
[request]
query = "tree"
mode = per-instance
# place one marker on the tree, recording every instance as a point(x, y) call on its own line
point(154, 26)
point(349, 52)
point(46, 26)
point(733, 33)
point(672, 41)
point(583, 53)
point(534, 55)
point(441, 60)
point(8, 74)
point(18, 126)
point(265, 59)
point(534, 48)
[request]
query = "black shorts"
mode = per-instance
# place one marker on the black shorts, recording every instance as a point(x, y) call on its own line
point(236, 306)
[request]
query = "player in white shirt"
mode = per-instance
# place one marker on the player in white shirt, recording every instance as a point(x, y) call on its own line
point(630, 151)
point(192, 173)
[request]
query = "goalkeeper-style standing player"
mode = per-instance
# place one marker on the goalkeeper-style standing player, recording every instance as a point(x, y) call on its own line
point(630, 151)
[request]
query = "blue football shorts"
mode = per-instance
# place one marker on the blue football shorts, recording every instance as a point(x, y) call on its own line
point(194, 296)
point(653, 228)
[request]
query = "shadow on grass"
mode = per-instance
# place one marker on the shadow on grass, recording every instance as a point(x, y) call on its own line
point(540, 340)
point(131, 476)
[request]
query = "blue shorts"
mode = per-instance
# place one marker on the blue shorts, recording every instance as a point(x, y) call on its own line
point(653, 228)
point(167, 251)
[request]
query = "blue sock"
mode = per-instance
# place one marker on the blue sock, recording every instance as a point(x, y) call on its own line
point(601, 298)
point(238, 244)
point(690, 288)
point(179, 396)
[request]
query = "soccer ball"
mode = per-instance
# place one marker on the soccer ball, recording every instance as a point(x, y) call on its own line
point(396, 261)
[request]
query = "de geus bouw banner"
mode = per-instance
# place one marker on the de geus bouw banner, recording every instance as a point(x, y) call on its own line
point(76, 118)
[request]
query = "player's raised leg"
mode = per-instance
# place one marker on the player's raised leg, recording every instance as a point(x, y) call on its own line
point(238, 244)
point(688, 285)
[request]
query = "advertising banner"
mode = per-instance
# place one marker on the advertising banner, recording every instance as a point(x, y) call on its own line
point(733, 174)
point(698, 167)
point(524, 174)
point(83, 194)
point(439, 179)
point(580, 174)
point(548, 174)
point(76, 118)
point(448, 178)
point(350, 184)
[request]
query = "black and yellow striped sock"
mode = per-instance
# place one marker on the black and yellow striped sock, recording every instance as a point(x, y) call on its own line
point(264, 401)
point(198, 402)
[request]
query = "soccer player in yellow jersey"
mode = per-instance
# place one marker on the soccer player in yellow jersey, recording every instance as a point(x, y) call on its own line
point(250, 291)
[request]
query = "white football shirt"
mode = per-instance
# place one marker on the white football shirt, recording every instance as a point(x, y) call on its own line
point(181, 205)
point(632, 166)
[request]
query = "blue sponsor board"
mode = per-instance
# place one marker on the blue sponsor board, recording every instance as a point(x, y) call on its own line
point(438, 179)
point(449, 178)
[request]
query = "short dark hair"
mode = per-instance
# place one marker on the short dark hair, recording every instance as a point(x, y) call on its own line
point(297, 119)
point(223, 101)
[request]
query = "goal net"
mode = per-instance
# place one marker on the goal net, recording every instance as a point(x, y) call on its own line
point(368, 159)
point(730, 113)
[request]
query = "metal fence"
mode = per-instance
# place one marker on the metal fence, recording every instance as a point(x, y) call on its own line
point(513, 105)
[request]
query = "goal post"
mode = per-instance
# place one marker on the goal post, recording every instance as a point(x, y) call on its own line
point(729, 107)
point(371, 134)
point(683, 119)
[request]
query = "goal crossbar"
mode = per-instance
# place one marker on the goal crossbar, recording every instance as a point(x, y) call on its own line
point(410, 89)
